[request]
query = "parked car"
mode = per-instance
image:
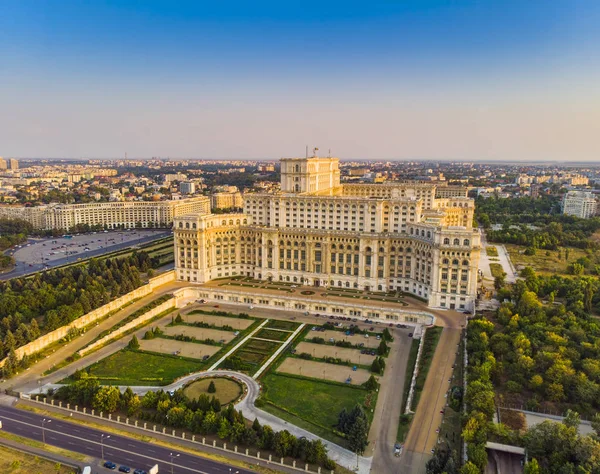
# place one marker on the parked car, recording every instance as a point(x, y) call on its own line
point(410, 334)
point(110, 465)
point(139, 471)
point(124, 469)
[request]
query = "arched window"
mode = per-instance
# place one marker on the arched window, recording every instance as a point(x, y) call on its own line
point(446, 241)
point(454, 262)
point(465, 262)
point(466, 242)
point(445, 261)
point(456, 241)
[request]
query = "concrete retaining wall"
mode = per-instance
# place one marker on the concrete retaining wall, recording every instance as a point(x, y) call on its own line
point(130, 325)
point(44, 341)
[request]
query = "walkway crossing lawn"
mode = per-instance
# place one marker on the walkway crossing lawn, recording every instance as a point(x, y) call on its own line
point(309, 403)
point(279, 324)
point(129, 367)
point(192, 350)
point(272, 335)
point(321, 351)
point(199, 333)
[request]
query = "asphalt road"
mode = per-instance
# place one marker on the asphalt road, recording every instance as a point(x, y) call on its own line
point(23, 266)
point(118, 449)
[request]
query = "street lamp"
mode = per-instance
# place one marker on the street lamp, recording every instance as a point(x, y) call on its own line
point(102, 436)
point(44, 421)
point(172, 456)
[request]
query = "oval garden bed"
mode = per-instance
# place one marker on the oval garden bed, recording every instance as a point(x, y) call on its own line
point(226, 390)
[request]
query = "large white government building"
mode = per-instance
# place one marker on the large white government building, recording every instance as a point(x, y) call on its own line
point(318, 232)
point(109, 215)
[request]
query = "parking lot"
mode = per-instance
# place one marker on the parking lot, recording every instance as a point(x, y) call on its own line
point(37, 254)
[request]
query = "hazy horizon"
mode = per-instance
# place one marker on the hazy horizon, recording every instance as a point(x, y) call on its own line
point(411, 81)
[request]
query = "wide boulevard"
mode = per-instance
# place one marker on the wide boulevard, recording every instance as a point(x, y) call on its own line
point(118, 449)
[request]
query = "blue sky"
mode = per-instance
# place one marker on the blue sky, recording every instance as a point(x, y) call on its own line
point(396, 80)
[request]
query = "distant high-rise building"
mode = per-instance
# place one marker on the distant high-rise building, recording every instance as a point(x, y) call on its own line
point(2, 163)
point(187, 187)
point(580, 204)
point(14, 164)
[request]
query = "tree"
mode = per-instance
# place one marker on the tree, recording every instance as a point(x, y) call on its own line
point(134, 343)
point(211, 387)
point(375, 367)
point(532, 467)
point(357, 437)
point(224, 428)
point(106, 399)
point(470, 468)
point(371, 384)
point(383, 348)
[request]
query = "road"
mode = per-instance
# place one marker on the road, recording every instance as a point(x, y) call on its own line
point(384, 428)
point(422, 436)
point(118, 449)
point(29, 259)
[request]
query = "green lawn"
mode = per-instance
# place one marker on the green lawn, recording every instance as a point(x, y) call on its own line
point(491, 251)
point(496, 269)
point(273, 335)
point(278, 324)
point(129, 367)
point(309, 403)
point(542, 263)
point(263, 347)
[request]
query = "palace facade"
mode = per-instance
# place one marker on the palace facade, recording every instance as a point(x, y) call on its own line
point(319, 232)
point(109, 215)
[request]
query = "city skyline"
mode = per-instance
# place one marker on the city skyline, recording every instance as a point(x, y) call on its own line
point(410, 81)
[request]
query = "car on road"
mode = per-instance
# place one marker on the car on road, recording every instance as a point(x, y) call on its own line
point(110, 465)
point(124, 469)
point(410, 334)
point(139, 471)
point(397, 449)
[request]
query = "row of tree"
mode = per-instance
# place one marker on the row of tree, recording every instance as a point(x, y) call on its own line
point(202, 415)
point(31, 306)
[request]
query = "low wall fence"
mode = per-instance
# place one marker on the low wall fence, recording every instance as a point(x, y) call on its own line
point(181, 435)
point(54, 336)
point(170, 304)
point(413, 380)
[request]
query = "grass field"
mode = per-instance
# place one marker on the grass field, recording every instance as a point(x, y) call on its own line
point(129, 367)
point(317, 409)
point(264, 347)
point(227, 392)
point(273, 335)
point(491, 251)
point(18, 462)
point(278, 324)
point(496, 269)
point(542, 263)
